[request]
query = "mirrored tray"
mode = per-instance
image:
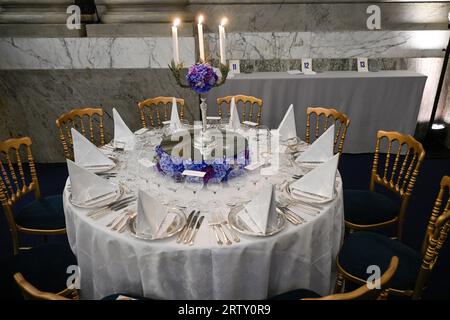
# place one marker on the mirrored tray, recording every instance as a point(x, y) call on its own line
point(237, 224)
point(176, 226)
point(103, 201)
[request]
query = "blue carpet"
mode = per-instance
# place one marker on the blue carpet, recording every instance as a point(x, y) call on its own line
point(355, 170)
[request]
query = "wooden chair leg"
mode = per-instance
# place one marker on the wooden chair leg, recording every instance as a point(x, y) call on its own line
point(339, 283)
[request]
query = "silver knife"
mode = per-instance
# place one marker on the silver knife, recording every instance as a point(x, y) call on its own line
point(191, 227)
point(186, 226)
point(194, 233)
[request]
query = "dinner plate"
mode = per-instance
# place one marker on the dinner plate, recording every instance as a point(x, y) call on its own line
point(176, 226)
point(105, 168)
point(102, 202)
point(294, 145)
point(237, 224)
point(306, 197)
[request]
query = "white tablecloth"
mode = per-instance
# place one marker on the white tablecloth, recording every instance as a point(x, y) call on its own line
point(300, 256)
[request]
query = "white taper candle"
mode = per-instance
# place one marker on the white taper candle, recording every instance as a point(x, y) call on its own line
point(223, 58)
point(176, 52)
point(201, 45)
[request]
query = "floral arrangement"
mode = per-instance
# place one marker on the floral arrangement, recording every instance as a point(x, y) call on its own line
point(223, 169)
point(201, 77)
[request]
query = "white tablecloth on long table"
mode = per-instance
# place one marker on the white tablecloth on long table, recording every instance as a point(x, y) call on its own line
point(384, 100)
point(301, 256)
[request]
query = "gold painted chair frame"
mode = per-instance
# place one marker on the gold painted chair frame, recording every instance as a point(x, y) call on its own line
point(247, 103)
point(435, 237)
point(14, 185)
point(153, 107)
point(76, 118)
point(366, 293)
point(401, 179)
point(30, 292)
point(340, 120)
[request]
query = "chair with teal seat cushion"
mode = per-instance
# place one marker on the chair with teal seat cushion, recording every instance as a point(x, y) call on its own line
point(365, 207)
point(45, 266)
point(44, 213)
point(363, 248)
point(297, 294)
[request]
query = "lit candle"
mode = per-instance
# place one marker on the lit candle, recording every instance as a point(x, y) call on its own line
point(223, 58)
point(201, 45)
point(176, 52)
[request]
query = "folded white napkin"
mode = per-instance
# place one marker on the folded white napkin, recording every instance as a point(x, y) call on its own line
point(287, 128)
point(235, 123)
point(86, 186)
point(261, 211)
point(321, 149)
point(87, 154)
point(319, 182)
point(150, 214)
point(122, 134)
point(175, 123)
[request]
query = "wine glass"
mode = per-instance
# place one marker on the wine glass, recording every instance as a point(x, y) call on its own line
point(236, 181)
point(214, 185)
point(194, 184)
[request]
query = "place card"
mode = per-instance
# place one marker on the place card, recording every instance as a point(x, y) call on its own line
point(363, 64)
point(213, 118)
point(250, 123)
point(253, 166)
point(193, 173)
point(166, 122)
point(146, 163)
point(307, 66)
point(141, 131)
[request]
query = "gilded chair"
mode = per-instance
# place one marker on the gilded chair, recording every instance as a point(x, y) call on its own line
point(83, 120)
point(364, 248)
point(374, 292)
point(44, 215)
point(158, 110)
point(325, 118)
point(251, 107)
point(368, 209)
point(45, 267)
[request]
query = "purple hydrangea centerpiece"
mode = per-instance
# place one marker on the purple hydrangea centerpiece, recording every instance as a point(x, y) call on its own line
point(201, 77)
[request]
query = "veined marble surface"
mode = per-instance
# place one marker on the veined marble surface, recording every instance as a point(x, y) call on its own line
point(92, 53)
point(297, 45)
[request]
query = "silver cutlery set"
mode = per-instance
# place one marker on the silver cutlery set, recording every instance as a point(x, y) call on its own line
point(189, 232)
point(223, 232)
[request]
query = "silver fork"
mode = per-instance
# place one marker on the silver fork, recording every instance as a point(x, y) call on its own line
point(227, 227)
point(217, 222)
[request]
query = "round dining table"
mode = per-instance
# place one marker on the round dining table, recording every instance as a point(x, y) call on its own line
point(299, 256)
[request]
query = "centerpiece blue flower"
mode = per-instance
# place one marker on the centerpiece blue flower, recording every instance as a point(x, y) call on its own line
point(201, 77)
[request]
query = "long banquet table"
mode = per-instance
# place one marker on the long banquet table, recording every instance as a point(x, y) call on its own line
point(300, 256)
point(384, 100)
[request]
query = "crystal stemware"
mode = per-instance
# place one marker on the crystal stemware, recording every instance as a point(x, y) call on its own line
point(194, 184)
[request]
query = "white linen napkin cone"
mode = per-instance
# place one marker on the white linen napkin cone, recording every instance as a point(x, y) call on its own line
point(320, 181)
point(175, 123)
point(235, 122)
point(121, 131)
point(86, 185)
point(321, 150)
point(287, 128)
point(150, 214)
point(87, 154)
point(262, 210)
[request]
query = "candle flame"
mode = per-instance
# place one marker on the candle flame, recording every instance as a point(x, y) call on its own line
point(176, 22)
point(200, 19)
point(223, 21)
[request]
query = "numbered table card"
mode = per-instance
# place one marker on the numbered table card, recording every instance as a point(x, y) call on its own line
point(235, 66)
point(307, 66)
point(363, 64)
point(193, 173)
